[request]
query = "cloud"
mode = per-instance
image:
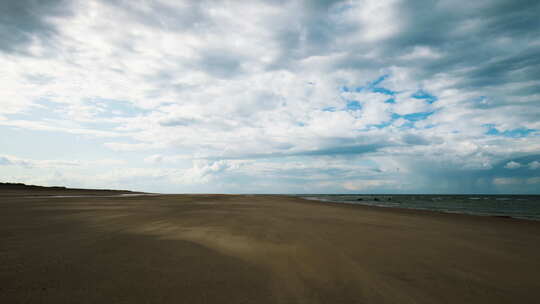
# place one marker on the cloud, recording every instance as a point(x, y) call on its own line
point(27, 23)
point(363, 185)
point(512, 165)
point(534, 165)
point(439, 90)
point(533, 180)
point(4, 161)
point(507, 181)
point(177, 121)
point(154, 159)
point(203, 171)
point(10, 160)
point(413, 139)
point(220, 63)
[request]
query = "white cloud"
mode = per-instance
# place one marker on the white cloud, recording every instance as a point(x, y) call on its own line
point(189, 81)
point(11, 160)
point(507, 181)
point(154, 159)
point(512, 165)
point(421, 52)
point(533, 180)
point(534, 165)
point(363, 185)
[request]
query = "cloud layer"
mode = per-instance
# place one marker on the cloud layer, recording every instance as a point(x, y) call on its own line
point(273, 96)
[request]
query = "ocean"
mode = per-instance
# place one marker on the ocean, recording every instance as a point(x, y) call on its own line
point(515, 206)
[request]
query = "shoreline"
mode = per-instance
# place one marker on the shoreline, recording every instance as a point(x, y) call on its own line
point(420, 211)
point(88, 193)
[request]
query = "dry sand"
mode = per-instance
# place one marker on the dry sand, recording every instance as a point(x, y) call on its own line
point(258, 249)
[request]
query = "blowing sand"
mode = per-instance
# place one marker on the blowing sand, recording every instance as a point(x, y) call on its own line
point(257, 249)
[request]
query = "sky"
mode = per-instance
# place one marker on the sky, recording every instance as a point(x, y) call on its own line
point(272, 96)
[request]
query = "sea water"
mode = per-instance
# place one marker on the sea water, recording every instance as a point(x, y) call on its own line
point(516, 206)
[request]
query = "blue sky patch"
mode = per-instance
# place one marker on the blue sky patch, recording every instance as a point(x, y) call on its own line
point(421, 94)
point(329, 109)
point(417, 116)
point(384, 91)
point(115, 108)
point(379, 80)
point(413, 116)
point(514, 133)
point(373, 87)
point(353, 105)
point(381, 125)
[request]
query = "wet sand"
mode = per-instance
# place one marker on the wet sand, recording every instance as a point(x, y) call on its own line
point(257, 249)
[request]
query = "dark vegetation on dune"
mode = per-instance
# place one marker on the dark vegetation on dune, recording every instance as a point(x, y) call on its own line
point(22, 188)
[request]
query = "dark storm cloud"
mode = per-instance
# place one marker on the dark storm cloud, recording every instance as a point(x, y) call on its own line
point(413, 139)
point(492, 37)
point(342, 150)
point(454, 180)
point(444, 24)
point(22, 21)
point(484, 43)
point(310, 33)
point(523, 66)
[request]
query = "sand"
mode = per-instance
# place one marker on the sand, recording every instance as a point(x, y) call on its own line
point(258, 249)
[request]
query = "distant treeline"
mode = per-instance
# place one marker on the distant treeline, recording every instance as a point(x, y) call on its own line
point(21, 186)
point(25, 187)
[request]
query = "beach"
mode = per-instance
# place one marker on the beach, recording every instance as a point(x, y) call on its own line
point(256, 249)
